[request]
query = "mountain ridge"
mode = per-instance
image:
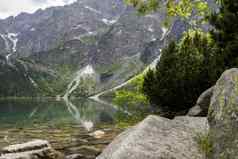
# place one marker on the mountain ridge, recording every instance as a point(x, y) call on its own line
point(110, 37)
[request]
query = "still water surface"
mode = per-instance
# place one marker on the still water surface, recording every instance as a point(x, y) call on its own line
point(66, 124)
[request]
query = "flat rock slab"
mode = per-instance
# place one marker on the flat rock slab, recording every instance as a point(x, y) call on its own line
point(29, 146)
point(159, 138)
point(37, 149)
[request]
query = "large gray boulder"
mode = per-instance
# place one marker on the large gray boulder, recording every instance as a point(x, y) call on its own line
point(223, 116)
point(37, 149)
point(202, 104)
point(159, 138)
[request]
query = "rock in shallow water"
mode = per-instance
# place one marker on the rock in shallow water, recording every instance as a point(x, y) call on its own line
point(159, 138)
point(75, 156)
point(223, 116)
point(98, 134)
point(37, 149)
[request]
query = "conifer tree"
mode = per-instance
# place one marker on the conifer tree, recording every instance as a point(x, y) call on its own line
point(225, 32)
point(185, 70)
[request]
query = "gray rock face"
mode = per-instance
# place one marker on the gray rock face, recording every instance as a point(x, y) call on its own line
point(37, 149)
point(202, 105)
point(45, 29)
point(223, 116)
point(85, 21)
point(107, 34)
point(159, 138)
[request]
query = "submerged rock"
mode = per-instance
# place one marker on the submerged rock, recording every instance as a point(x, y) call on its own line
point(75, 156)
point(202, 104)
point(98, 134)
point(159, 138)
point(37, 149)
point(223, 116)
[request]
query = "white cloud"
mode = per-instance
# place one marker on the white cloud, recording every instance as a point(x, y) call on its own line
point(14, 7)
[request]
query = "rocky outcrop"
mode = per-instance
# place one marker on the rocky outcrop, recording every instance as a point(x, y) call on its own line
point(202, 104)
point(223, 116)
point(159, 138)
point(37, 149)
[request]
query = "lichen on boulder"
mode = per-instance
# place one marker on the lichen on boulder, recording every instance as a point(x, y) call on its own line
point(223, 116)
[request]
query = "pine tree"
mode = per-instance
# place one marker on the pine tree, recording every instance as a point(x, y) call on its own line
point(226, 31)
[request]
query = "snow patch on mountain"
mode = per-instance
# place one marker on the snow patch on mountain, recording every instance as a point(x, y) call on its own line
point(4, 37)
point(32, 82)
point(164, 33)
point(109, 22)
point(82, 27)
point(151, 29)
point(80, 37)
point(10, 41)
point(92, 9)
point(8, 56)
point(33, 29)
point(13, 38)
point(87, 29)
point(85, 72)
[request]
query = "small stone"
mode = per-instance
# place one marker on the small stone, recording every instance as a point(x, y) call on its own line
point(98, 134)
point(75, 156)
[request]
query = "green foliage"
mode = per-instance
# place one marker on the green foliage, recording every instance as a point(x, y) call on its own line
point(137, 82)
point(205, 144)
point(108, 69)
point(131, 99)
point(185, 70)
point(9, 87)
point(144, 7)
point(50, 86)
point(133, 96)
point(88, 39)
point(184, 9)
point(226, 31)
point(86, 86)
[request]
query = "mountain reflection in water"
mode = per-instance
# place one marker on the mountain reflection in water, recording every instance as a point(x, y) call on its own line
point(27, 112)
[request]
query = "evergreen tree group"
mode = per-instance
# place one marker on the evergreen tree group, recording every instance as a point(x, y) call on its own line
point(225, 32)
point(189, 67)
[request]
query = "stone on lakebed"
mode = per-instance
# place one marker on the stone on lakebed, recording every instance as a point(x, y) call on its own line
point(36, 149)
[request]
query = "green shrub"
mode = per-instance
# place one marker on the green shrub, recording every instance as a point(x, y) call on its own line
point(205, 144)
point(185, 70)
point(131, 96)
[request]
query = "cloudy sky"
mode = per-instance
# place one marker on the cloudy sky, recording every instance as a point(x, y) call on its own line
point(14, 7)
